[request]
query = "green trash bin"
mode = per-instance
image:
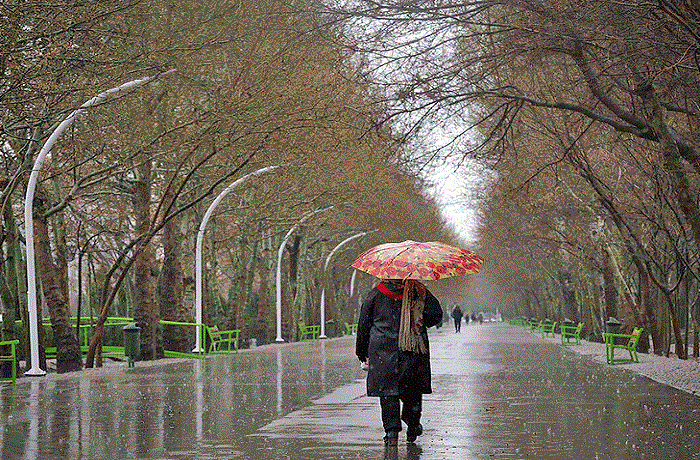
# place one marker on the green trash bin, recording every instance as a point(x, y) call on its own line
point(330, 328)
point(568, 326)
point(132, 342)
point(613, 326)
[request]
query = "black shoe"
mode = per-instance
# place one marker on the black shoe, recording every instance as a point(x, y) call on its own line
point(413, 432)
point(391, 438)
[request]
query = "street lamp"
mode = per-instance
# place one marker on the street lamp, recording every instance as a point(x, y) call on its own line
point(279, 268)
point(323, 290)
point(35, 370)
point(198, 251)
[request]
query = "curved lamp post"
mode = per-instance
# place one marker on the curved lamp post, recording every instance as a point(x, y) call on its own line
point(35, 370)
point(323, 291)
point(279, 269)
point(352, 282)
point(198, 251)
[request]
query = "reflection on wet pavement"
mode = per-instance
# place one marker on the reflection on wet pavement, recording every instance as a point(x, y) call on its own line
point(499, 392)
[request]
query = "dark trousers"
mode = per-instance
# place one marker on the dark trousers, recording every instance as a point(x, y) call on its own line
point(392, 414)
point(458, 324)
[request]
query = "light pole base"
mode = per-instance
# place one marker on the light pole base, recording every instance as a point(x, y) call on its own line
point(198, 350)
point(322, 336)
point(279, 340)
point(35, 372)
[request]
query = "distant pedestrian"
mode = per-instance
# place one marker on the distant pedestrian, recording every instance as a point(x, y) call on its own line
point(457, 316)
point(481, 318)
point(392, 339)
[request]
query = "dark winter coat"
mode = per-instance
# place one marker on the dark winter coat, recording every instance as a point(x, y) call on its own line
point(457, 313)
point(393, 372)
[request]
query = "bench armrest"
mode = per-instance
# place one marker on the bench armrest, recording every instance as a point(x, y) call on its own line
point(230, 332)
point(609, 337)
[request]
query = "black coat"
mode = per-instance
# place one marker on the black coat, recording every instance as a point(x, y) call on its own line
point(393, 372)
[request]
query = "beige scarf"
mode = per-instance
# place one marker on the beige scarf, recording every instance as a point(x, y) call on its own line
point(411, 329)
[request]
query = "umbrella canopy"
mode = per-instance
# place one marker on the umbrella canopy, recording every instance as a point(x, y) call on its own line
point(419, 261)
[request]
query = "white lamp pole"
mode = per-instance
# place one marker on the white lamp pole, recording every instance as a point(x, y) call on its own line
point(198, 251)
point(35, 370)
point(280, 252)
point(352, 282)
point(323, 290)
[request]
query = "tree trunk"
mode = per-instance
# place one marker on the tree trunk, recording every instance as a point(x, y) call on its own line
point(663, 323)
point(237, 296)
point(242, 289)
point(293, 251)
point(8, 274)
point(8, 299)
point(211, 293)
point(171, 288)
point(59, 235)
point(674, 325)
point(263, 305)
point(610, 293)
point(251, 295)
point(646, 314)
point(590, 299)
point(14, 295)
point(68, 355)
point(146, 311)
point(695, 319)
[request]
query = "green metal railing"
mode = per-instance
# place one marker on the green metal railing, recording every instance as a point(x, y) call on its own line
point(87, 324)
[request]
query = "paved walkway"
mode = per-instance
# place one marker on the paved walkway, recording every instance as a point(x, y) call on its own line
point(681, 374)
point(499, 392)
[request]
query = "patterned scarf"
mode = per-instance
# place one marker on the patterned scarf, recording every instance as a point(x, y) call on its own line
point(411, 329)
point(412, 305)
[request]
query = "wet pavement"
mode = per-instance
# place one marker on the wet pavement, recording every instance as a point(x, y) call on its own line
point(499, 392)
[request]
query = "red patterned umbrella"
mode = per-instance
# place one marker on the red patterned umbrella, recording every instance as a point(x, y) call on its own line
point(418, 261)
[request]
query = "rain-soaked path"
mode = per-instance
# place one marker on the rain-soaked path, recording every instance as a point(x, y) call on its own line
point(499, 392)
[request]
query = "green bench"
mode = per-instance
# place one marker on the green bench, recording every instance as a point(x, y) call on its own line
point(628, 342)
point(351, 329)
point(10, 357)
point(571, 332)
point(308, 333)
point(547, 328)
point(222, 341)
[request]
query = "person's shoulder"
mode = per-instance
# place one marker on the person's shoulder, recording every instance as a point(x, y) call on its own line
point(372, 293)
point(429, 297)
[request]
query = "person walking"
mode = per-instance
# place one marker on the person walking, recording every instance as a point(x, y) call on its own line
point(457, 316)
point(392, 341)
